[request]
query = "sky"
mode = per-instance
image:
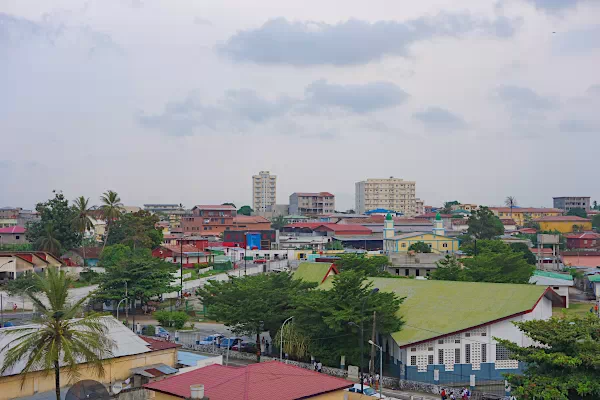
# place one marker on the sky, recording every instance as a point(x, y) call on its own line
point(173, 101)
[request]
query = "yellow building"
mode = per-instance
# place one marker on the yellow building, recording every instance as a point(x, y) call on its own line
point(131, 351)
point(522, 215)
point(565, 224)
point(466, 207)
point(437, 241)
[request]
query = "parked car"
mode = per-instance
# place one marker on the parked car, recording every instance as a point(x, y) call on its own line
point(230, 342)
point(162, 332)
point(248, 347)
point(260, 261)
point(367, 391)
point(212, 339)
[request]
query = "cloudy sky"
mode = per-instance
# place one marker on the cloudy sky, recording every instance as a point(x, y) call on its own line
point(183, 101)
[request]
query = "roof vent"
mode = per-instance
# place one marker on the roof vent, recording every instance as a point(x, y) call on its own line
point(197, 392)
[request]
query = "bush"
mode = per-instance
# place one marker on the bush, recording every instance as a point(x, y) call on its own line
point(89, 276)
point(175, 319)
point(149, 330)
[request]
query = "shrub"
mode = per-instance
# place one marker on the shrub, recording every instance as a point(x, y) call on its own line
point(176, 319)
point(148, 330)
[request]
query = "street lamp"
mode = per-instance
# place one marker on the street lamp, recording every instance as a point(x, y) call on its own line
point(281, 339)
point(380, 365)
point(362, 336)
point(119, 305)
point(24, 293)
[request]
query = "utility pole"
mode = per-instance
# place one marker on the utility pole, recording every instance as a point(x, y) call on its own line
point(372, 361)
point(181, 266)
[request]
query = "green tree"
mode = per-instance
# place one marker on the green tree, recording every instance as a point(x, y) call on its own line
point(331, 318)
point(484, 246)
point(595, 205)
point(483, 224)
point(81, 219)
point(596, 221)
point(447, 209)
point(16, 247)
point(245, 210)
point(530, 223)
point(578, 212)
point(510, 202)
point(229, 204)
point(24, 283)
point(278, 222)
point(146, 277)
point(54, 231)
point(506, 267)
point(523, 249)
point(136, 230)
point(367, 266)
point(111, 210)
point(448, 269)
point(420, 247)
point(564, 362)
point(253, 304)
point(334, 245)
point(60, 339)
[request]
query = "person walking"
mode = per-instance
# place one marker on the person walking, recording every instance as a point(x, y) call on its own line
point(267, 347)
point(443, 394)
point(377, 381)
point(319, 366)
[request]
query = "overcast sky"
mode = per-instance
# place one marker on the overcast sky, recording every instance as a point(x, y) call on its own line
point(183, 101)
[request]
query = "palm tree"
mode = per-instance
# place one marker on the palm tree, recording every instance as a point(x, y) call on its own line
point(511, 202)
point(48, 242)
point(111, 210)
point(81, 220)
point(59, 340)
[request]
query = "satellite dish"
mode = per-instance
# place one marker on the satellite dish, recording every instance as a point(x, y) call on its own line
point(117, 387)
point(87, 390)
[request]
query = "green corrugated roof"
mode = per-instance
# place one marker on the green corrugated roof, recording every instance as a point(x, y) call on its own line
point(312, 271)
point(436, 308)
point(554, 275)
point(594, 278)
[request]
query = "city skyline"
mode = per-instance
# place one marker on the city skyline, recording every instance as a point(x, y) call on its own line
point(474, 103)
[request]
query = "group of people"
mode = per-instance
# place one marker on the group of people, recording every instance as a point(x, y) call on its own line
point(371, 380)
point(465, 394)
point(265, 346)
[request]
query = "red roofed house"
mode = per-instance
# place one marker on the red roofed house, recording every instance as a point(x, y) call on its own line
point(250, 223)
point(584, 240)
point(565, 223)
point(209, 218)
point(191, 254)
point(312, 203)
point(12, 235)
point(343, 230)
point(265, 381)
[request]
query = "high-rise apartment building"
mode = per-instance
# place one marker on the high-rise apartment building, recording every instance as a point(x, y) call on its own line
point(568, 203)
point(312, 203)
point(392, 194)
point(264, 189)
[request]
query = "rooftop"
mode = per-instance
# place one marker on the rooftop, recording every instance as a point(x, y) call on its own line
point(527, 210)
point(314, 271)
point(155, 344)
point(563, 218)
point(187, 249)
point(265, 381)
point(583, 235)
point(247, 219)
point(13, 229)
point(215, 207)
point(433, 215)
point(554, 275)
point(319, 194)
point(437, 308)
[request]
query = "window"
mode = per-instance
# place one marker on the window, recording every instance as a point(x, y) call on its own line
point(502, 353)
point(403, 244)
point(555, 287)
point(468, 334)
point(467, 354)
point(456, 356)
point(406, 272)
point(222, 220)
point(441, 341)
point(483, 352)
point(430, 359)
point(457, 341)
point(444, 244)
point(17, 237)
point(413, 360)
point(417, 272)
point(413, 349)
point(441, 355)
point(397, 271)
point(430, 349)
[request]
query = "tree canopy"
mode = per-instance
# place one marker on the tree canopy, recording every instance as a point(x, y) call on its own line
point(420, 247)
point(54, 231)
point(523, 249)
point(448, 206)
point(278, 222)
point(564, 362)
point(253, 304)
point(367, 266)
point(578, 212)
point(136, 230)
point(245, 210)
point(483, 224)
point(596, 221)
point(147, 277)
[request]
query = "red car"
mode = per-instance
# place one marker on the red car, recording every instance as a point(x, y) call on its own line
point(260, 261)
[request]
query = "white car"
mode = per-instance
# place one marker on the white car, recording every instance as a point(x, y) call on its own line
point(212, 339)
point(367, 391)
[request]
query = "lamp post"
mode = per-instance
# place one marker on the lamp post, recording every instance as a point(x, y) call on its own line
point(24, 293)
point(119, 305)
point(380, 365)
point(1, 298)
point(281, 339)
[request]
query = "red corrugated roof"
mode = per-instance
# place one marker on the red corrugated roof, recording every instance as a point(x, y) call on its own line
point(248, 219)
point(265, 381)
point(310, 225)
point(584, 235)
point(346, 228)
point(187, 248)
point(155, 344)
point(433, 215)
point(13, 229)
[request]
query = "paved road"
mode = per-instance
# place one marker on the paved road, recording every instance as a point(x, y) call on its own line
point(74, 295)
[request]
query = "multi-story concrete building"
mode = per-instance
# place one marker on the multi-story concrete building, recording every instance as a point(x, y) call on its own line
point(264, 192)
point(568, 203)
point(522, 215)
point(167, 209)
point(211, 218)
point(312, 203)
point(392, 194)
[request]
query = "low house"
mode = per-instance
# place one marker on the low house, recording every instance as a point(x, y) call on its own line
point(414, 264)
point(584, 240)
point(594, 281)
point(264, 381)
point(250, 223)
point(560, 283)
point(437, 243)
point(187, 254)
point(13, 265)
point(449, 328)
point(12, 235)
point(460, 224)
point(130, 352)
point(76, 256)
point(565, 223)
point(509, 224)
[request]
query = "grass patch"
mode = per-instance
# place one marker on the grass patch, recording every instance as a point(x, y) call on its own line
point(580, 309)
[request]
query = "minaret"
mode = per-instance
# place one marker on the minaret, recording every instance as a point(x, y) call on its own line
point(388, 230)
point(438, 225)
